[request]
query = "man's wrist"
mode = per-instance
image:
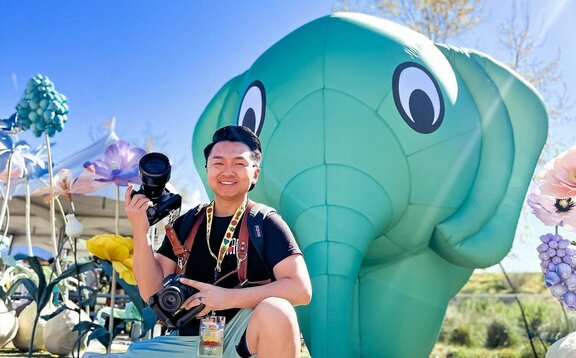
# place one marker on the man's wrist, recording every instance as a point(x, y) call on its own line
point(232, 296)
point(140, 236)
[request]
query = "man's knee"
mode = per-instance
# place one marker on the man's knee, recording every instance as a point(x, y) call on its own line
point(276, 312)
point(273, 320)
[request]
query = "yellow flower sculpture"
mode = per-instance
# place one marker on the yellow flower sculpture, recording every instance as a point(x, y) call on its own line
point(119, 250)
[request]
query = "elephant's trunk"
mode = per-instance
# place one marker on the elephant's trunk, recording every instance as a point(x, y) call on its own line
point(335, 212)
point(337, 238)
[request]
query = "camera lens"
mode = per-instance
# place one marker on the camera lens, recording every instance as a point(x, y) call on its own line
point(171, 300)
point(155, 173)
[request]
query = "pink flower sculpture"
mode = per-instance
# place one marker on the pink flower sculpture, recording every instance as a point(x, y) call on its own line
point(119, 164)
point(552, 211)
point(64, 185)
point(560, 180)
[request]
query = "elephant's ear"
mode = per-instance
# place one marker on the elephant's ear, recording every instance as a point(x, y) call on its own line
point(218, 113)
point(514, 129)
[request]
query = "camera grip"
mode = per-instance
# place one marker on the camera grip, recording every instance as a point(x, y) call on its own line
point(198, 309)
point(189, 315)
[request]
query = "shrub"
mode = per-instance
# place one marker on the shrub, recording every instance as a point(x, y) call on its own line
point(461, 336)
point(498, 334)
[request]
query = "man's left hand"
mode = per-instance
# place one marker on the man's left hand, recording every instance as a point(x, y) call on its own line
point(213, 297)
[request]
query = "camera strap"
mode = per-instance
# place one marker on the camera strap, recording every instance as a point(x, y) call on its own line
point(183, 251)
point(242, 253)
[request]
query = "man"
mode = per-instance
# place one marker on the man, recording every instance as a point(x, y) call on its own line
point(260, 319)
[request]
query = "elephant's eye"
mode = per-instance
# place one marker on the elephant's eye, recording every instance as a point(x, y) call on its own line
point(418, 97)
point(253, 107)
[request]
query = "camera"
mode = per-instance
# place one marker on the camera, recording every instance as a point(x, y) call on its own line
point(155, 172)
point(167, 303)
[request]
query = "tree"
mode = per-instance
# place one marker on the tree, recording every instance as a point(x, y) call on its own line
point(439, 20)
point(516, 35)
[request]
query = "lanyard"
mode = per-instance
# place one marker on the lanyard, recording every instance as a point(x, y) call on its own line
point(227, 236)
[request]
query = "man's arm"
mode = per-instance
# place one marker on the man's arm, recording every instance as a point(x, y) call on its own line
point(292, 283)
point(149, 269)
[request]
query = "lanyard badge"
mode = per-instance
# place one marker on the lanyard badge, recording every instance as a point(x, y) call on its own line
point(227, 239)
point(211, 336)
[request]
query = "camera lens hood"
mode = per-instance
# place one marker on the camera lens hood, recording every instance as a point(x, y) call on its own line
point(155, 172)
point(155, 167)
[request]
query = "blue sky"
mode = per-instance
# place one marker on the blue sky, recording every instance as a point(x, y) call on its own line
point(154, 65)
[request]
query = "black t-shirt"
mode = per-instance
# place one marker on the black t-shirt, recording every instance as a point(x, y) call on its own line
point(279, 243)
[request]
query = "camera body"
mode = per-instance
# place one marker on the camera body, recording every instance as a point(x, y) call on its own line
point(167, 303)
point(155, 171)
point(163, 205)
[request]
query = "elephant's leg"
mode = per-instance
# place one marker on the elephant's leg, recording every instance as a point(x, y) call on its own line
point(402, 304)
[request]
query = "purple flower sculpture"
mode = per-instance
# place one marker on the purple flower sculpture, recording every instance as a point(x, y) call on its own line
point(119, 164)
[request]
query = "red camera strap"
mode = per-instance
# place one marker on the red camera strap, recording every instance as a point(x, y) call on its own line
point(242, 253)
point(182, 252)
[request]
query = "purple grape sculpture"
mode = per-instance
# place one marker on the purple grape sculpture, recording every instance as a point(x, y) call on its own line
point(558, 262)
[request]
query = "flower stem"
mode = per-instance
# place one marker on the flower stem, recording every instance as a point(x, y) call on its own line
point(112, 303)
point(523, 314)
point(79, 286)
point(52, 209)
point(117, 217)
point(5, 202)
point(28, 233)
point(113, 284)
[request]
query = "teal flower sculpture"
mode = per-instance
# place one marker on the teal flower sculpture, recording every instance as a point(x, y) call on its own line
point(42, 108)
point(119, 164)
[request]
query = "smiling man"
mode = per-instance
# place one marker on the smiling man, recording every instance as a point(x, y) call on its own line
point(250, 286)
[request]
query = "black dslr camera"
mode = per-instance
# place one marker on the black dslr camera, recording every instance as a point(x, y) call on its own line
point(167, 303)
point(155, 173)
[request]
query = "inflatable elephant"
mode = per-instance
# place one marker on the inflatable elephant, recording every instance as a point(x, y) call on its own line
point(400, 165)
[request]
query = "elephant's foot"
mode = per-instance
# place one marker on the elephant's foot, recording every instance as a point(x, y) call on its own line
point(402, 305)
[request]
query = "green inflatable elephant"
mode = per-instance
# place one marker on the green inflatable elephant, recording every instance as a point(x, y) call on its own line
point(401, 165)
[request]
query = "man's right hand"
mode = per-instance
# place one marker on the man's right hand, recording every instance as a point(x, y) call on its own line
point(135, 208)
